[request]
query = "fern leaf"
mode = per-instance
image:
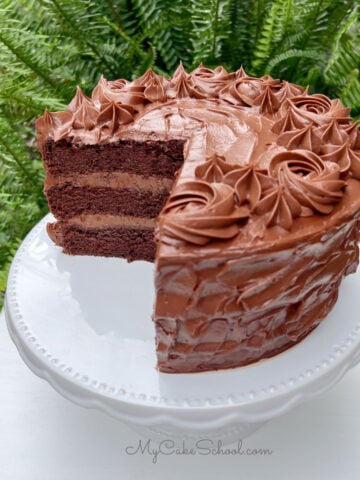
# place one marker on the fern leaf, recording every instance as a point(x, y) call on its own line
point(344, 57)
point(211, 25)
point(274, 28)
point(350, 93)
point(164, 24)
point(290, 55)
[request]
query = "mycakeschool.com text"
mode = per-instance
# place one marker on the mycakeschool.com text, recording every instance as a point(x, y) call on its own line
point(201, 447)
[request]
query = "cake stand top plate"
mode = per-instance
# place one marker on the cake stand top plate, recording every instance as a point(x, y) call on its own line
point(84, 324)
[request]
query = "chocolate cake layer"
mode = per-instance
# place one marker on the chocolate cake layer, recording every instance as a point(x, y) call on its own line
point(151, 158)
point(67, 201)
point(126, 242)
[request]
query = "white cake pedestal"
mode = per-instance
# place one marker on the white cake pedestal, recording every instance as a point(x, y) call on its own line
point(84, 325)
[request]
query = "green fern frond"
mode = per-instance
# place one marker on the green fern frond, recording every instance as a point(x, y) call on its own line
point(168, 36)
point(239, 46)
point(266, 42)
point(122, 14)
point(350, 93)
point(291, 55)
point(14, 155)
point(274, 28)
point(344, 57)
point(16, 43)
point(81, 22)
point(211, 26)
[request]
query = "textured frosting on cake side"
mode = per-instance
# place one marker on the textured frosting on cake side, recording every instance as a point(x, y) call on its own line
point(262, 221)
point(233, 310)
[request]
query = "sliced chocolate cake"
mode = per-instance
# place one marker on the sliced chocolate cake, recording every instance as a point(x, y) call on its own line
point(106, 200)
point(252, 186)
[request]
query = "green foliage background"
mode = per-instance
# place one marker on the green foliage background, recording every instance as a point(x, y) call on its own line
point(48, 47)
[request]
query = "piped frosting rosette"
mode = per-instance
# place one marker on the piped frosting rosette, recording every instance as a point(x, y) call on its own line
point(200, 83)
point(298, 111)
point(118, 91)
point(207, 82)
point(248, 182)
point(305, 184)
point(59, 123)
point(104, 122)
point(213, 169)
point(103, 119)
point(347, 158)
point(200, 212)
point(251, 91)
point(266, 92)
point(112, 116)
point(150, 87)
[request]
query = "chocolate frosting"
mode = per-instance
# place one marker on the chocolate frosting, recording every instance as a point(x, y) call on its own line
point(310, 184)
point(262, 221)
point(269, 152)
point(200, 211)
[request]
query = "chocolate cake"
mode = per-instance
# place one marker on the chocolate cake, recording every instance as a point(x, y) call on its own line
point(252, 186)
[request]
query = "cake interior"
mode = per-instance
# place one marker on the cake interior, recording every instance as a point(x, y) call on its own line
point(106, 198)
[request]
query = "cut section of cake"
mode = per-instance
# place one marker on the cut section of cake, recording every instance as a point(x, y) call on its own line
point(252, 186)
point(106, 199)
point(106, 191)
